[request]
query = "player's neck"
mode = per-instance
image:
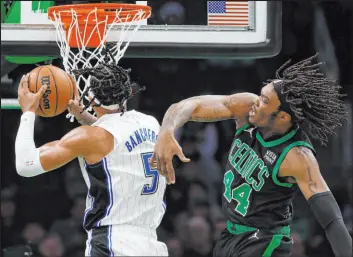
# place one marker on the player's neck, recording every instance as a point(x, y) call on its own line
point(101, 113)
point(278, 131)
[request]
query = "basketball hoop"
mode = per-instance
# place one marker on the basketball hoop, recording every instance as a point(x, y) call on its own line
point(83, 29)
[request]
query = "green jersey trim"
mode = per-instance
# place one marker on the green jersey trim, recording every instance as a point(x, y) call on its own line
point(281, 158)
point(275, 142)
point(275, 242)
point(241, 129)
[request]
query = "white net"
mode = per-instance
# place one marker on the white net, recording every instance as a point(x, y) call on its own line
point(87, 57)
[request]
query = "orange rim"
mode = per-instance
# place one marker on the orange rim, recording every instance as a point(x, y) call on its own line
point(104, 10)
point(90, 28)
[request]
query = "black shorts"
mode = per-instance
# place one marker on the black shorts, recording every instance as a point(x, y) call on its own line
point(253, 244)
point(100, 243)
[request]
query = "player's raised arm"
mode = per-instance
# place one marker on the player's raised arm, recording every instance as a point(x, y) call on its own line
point(208, 108)
point(32, 161)
point(302, 165)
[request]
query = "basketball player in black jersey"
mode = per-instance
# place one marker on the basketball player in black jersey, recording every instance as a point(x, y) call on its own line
point(270, 159)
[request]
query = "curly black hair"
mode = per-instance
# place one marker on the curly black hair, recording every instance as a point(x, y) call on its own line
point(109, 83)
point(314, 99)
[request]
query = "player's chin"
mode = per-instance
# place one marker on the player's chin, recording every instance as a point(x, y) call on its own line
point(252, 119)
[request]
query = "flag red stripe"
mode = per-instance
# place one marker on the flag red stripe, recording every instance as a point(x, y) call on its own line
point(239, 21)
point(230, 16)
point(224, 21)
point(227, 24)
point(241, 5)
point(237, 8)
point(237, 5)
point(233, 20)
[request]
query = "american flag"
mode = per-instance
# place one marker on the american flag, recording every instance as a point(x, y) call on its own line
point(228, 13)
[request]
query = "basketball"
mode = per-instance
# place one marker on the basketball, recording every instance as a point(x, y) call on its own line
point(60, 89)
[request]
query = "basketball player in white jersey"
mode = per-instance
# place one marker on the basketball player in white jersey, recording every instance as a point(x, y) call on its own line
point(125, 195)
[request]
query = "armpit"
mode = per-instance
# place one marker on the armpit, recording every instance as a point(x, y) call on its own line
point(297, 160)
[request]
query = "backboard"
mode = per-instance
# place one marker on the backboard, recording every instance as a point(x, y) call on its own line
point(176, 29)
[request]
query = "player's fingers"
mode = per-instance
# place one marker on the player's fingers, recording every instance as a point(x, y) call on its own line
point(70, 105)
point(73, 103)
point(24, 83)
point(171, 172)
point(76, 93)
point(72, 80)
point(162, 169)
point(161, 166)
point(20, 86)
point(165, 174)
point(181, 156)
point(154, 163)
point(153, 159)
point(154, 166)
point(41, 91)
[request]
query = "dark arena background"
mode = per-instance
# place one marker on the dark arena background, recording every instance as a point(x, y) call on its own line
point(42, 216)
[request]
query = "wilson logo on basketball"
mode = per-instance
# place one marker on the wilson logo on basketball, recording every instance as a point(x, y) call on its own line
point(46, 81)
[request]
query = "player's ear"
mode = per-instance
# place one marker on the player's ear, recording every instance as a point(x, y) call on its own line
point(284, 116)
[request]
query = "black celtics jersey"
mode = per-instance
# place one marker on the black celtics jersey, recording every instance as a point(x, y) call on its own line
point(253, 193)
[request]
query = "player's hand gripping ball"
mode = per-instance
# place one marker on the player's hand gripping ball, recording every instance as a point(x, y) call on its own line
point(60, 89)
point(28, 101)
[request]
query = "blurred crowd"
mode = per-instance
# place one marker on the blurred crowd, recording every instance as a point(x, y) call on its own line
point(46, 212)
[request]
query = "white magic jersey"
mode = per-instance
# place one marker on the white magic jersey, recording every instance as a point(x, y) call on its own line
point(123, 189)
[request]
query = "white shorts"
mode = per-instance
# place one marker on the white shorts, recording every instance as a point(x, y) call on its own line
point(124, 241)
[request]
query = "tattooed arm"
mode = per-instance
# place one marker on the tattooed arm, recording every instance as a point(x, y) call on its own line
point(208, 108)
point(302, 165)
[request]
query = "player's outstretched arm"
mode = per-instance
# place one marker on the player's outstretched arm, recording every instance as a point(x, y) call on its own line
point(92, 143)
point(302, 165)
point(89, 142)
point(208, 108)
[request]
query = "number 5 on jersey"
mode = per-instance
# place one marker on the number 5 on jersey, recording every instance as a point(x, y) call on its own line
point(240, 194)
point(149, 189)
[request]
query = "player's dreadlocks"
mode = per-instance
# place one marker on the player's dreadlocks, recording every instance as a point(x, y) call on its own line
point(312, 99)
point(109, 83)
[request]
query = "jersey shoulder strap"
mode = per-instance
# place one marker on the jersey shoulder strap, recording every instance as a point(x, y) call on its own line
point(283, 156)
